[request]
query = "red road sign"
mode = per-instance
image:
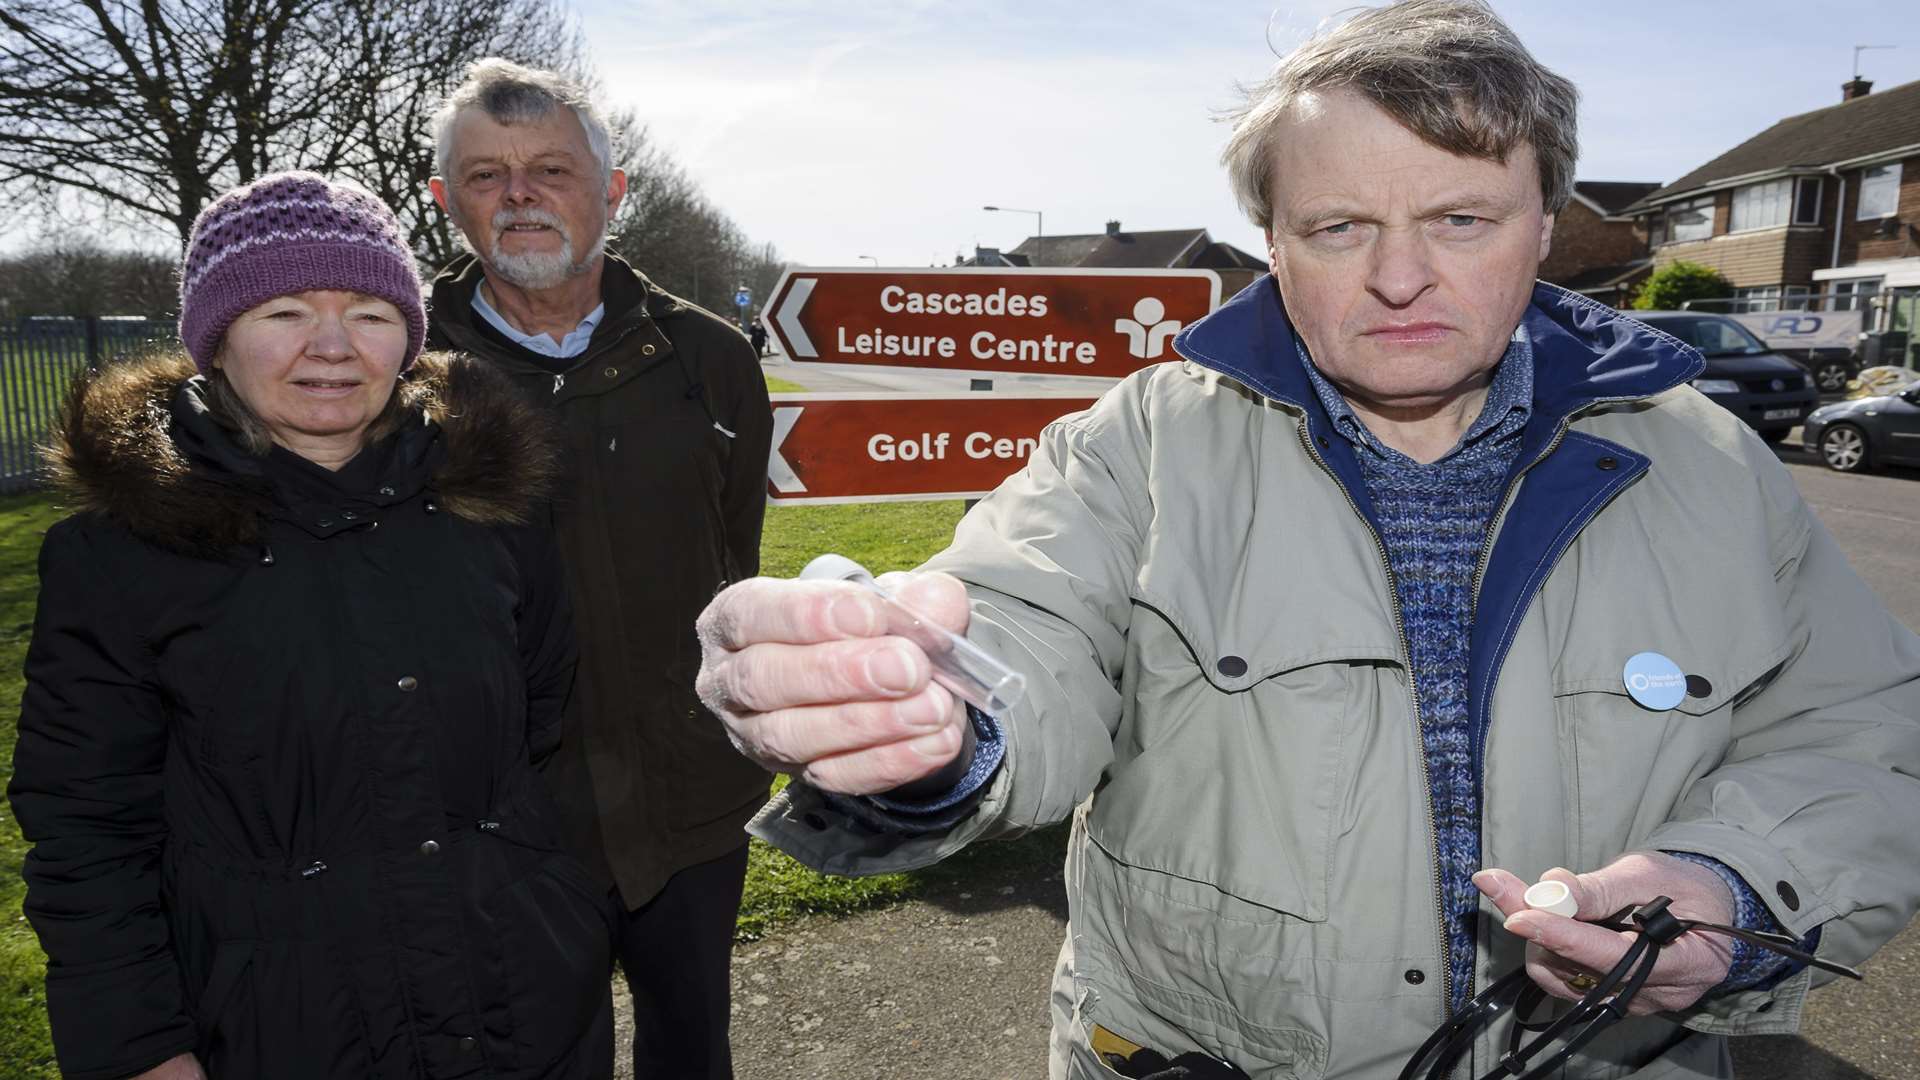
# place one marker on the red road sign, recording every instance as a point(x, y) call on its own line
point(1106, 323)
point(888, 447)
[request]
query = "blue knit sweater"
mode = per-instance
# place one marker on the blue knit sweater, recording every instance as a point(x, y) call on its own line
point(1433, 519)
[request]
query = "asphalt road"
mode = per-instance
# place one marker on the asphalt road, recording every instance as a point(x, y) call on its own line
point(1869, 1030)
point(955, 985)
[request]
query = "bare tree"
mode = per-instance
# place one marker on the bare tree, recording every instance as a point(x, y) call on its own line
point(669, 229)
point(149, 109)
point(71, 274)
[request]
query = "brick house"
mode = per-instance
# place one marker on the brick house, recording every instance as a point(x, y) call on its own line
point(1170, 248)
point(1598, 250)
point(1820, 210)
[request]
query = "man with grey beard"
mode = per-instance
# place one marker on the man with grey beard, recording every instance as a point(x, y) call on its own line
point(665, 414)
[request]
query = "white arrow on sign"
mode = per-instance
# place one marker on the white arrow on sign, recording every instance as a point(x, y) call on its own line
point(778, 470)
point(788, 317)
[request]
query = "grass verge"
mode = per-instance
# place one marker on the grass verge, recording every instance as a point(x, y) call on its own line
point(26, 1048)
point(778, 385)
point(880, 536)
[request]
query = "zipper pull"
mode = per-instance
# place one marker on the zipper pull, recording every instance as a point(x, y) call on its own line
point(489, 826)
point(315, 870)
point(558, 382)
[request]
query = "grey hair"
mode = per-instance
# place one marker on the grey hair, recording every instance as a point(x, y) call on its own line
point(1448, 70)
point(513, 94)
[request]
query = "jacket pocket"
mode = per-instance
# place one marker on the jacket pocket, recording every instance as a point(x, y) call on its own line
point(1627, 766)
point(281, 1009)
point(1234, 792)
point(552, 935)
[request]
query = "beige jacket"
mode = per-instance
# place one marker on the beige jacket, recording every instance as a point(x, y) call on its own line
point(1218, 696)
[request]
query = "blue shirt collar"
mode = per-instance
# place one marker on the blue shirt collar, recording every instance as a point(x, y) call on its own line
point(572, 345)
point(1509, 399)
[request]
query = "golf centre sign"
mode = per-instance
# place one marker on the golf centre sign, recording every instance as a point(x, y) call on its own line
point(886, 447)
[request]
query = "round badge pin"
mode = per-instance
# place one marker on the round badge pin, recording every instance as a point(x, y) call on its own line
point(1654, 682)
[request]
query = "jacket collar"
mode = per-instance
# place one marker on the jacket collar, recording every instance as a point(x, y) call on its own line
point(137, 443)
point(628, 294)
point(1583, 351)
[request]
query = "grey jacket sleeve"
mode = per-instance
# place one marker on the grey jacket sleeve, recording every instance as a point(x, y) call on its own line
point(1049, 560)
point(1816, 801)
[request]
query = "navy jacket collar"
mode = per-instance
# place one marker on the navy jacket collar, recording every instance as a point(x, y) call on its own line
point(1583, 351)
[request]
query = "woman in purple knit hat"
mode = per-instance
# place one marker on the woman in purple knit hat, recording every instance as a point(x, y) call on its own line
point(300, 652)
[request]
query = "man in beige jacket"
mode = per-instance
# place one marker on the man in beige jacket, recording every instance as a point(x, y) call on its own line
point(1413, 567)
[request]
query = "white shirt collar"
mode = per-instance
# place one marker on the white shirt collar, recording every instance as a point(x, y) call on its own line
point(572, 345)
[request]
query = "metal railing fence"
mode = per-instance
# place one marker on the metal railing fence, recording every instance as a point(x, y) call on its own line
point(39, 358)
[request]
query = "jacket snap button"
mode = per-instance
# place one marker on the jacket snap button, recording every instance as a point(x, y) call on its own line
point(388, 490)
point(348, 515)
point(467, 1044)
point(325, 523)
point(1324, 442)
point(1231, 666)
point(815, 822)
point(1698, 686)
point(611, 372)
point(430, 847)
point(1415, 976)
point(407, 684)
point(1788, 896)
point(646, 350)
point(1608, 464)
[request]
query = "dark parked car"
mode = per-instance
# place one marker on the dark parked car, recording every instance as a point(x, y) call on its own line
point(1771, 393)
point(1854, 435)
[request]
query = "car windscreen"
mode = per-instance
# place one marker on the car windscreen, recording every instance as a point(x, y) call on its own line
point(1712, 335)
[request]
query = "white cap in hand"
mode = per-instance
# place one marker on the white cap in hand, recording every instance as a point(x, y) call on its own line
point(1552, 896)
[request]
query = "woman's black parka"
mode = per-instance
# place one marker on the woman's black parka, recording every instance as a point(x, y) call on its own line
point(278, 743)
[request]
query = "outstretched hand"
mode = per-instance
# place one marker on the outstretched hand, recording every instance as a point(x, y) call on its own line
point(807, 680)
point(1565, 953)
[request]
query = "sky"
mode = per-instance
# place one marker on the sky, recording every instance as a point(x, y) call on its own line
point(840, 129)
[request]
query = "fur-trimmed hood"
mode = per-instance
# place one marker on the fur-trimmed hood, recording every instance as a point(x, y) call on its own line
point(137, 444)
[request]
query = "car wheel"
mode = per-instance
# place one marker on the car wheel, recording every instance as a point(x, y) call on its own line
point(1844, 448)
point(1831, 376)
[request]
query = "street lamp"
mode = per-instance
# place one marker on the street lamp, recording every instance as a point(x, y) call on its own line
point(1039, 231)
point(869, 258)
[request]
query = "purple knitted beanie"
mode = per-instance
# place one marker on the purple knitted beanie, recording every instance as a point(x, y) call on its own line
point(287, 233)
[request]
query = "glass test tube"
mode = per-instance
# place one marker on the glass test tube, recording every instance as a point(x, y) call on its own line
point(958, 664)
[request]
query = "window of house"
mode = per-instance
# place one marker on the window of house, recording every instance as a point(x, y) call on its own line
point(1852, 295)
point(1806, 200)
point(1688, 221)
point(1879, 192)
point(1757, 298)
point(1760, 206)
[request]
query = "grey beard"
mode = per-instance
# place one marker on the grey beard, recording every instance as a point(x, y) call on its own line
point(537, 270)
